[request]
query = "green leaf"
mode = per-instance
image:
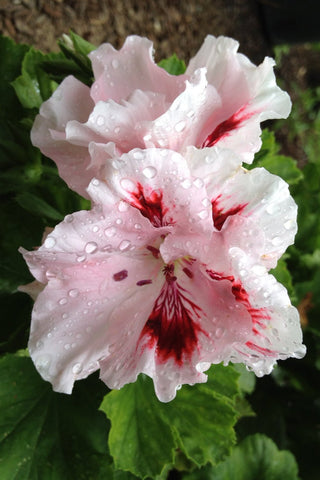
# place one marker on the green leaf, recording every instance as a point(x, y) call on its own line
point(268, 158)
point(80, 45)
point(145, 433)
point(49, 435)
point(283, 275)
point(173, 65)
point(257, 457)
point(139, 440)
point(10, 67)
point(34, 85)
point(38, 206)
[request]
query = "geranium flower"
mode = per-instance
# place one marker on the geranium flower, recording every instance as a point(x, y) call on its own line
point(133, 103)
point(166, 274)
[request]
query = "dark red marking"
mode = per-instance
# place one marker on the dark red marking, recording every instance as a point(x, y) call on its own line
point(151, 206)
point(155, 251)
point(117, 277)
point(241, 296)
point(172, 325)
point(188, 272)
point(143, 282)
point(225, 128)
point(219, 216)
point(264, 351)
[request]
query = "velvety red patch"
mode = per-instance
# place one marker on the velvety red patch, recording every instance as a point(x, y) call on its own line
point(172, 325)
point(151, 206)
point(219, 216)
point(226, 127)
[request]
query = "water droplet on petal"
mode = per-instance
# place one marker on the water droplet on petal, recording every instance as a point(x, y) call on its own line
point(198, 183)
point(81, 258)
point(116, 130)
point(95, 182)
point(77, 368)
point(90, 247)
point(137, 226)
point(74, 292)
point(67, 346)
point(110, 232)
point(100, 120)
point(149, 172)
point(219, 332)
point(180, 126)
point(127, 184)
point(39, 344)
point(49, 242)
point(276, 241)
point(43, 362)
point(124, 244)
point(123, 206)
point(206, 202)
point(300, 352)
point(69, 218)
point(203, 214)
point(289, 224)
point(138, 155)
point(115, 63)
point(186, 183)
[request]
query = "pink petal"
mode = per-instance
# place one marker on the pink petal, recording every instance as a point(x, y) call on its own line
point(249, 95)
point(121, 123)
point(134, 60)
point(92, 313)
point(158, 183)
point(182, 123)
point(70, 101)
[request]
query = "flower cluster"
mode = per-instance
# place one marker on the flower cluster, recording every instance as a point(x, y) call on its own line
point(168, 272)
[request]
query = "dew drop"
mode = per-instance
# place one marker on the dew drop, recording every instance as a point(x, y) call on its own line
point(110, 232)
point(81, 258)
point(63, 301)
point(138, 155)
point(124, 244)
point(49, 242)
point(180, 126)
point(43, 362)
point(39, 344)
point(289, 224)
point(95, 229)
point(206, 202)
point(67, 346)
point(100, 120)
point(77, 368)
point(198, 183)
point(219, 332)
point(74, 292)
point(203, 214)
point(95, 182)
point(90, 247)
point(69, 218)
point(186, 183)
point(276, 241)
point(137, 226)
point(115, 63)
point(149, 172)
point(116, 130)
point(127, 184)
point(300, 352)
point(118, 221)
point(123, 206)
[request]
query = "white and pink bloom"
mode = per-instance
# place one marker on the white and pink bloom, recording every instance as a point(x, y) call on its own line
point(166, 274)
point(133, 103)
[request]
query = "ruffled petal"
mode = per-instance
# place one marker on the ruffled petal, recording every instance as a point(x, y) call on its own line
point(158, 183)
point(121, 123)
point(134, 60)
point(183, 122)
point(95, 311)
point(70, 101)
point(254, 211)
point(249, 95)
